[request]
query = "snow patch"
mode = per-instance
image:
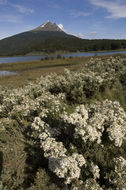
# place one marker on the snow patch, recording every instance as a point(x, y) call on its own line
point(61, 26)
point(43, 25)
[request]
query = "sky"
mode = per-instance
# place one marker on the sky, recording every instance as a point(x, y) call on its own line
point(88, 19)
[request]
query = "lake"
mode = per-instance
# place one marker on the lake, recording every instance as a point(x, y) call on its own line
point(5, 73)
point(32, 58)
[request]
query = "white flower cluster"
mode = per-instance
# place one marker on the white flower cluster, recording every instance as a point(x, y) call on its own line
point(120, 165)
point(111, 117)
point(95, 170)
point(117, 177)
point(91, 122)
point(67, 167)
point(26, 108)
point(120, 172)
point(91, 184)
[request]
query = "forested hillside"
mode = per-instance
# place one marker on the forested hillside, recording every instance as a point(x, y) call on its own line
point(49, 42)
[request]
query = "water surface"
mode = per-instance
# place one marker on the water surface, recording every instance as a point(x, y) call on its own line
point(32, 58)
point(5, 73)
point(19, 59)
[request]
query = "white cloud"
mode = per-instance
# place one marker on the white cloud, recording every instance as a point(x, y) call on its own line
point(88, 35)
point(80, 35)
point(18, 7)
point(93, 33)
point(22, 9)
point(116, 9)
point(76, 13)
point(10, 19)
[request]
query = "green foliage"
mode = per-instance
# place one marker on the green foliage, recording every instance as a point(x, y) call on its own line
point(46, 58)
point(43, 182)
point(50, 42)
point(58, 56)
point(70, 57)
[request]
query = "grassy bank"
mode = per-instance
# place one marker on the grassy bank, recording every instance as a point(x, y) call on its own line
point(30, 70)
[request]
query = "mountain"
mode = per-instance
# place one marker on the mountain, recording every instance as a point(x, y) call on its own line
point(37, 39)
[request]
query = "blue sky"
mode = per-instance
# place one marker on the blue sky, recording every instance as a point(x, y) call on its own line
point(84, 18)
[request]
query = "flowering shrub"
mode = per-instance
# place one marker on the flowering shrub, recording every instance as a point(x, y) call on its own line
point(64, 132)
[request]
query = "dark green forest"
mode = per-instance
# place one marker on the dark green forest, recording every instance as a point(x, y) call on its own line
point(50, 42)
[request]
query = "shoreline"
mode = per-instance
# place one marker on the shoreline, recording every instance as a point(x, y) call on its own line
point(61, 53)
point(31, 70)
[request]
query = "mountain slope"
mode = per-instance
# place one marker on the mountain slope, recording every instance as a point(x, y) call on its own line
point(25, 42)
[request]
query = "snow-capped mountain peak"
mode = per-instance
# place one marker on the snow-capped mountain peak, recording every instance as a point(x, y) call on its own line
point(49, 26)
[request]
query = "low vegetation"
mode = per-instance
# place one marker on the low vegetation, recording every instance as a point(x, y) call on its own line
point(66, 131)
point(30, 70)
